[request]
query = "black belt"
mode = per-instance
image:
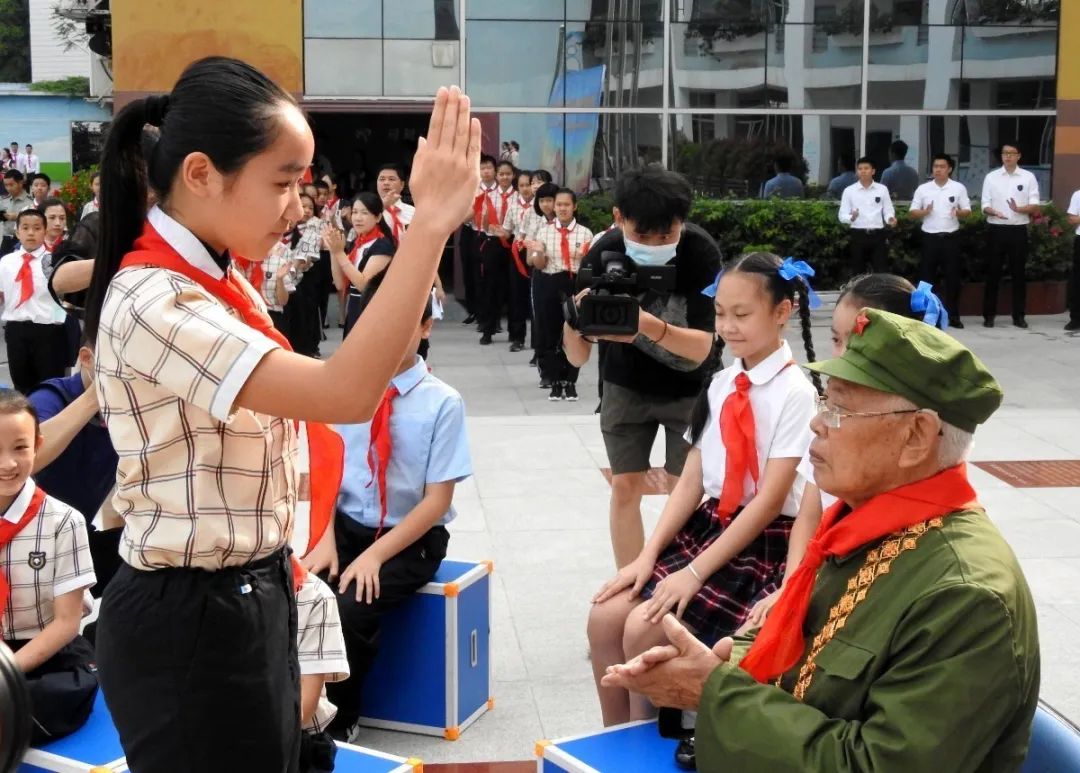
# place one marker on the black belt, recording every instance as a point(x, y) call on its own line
point(868, 230)
point(941, 234)
point(1008, 225)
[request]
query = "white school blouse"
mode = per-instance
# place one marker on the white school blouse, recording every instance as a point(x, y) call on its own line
point(783, 400)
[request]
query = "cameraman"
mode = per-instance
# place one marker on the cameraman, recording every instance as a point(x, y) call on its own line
point(650, 379)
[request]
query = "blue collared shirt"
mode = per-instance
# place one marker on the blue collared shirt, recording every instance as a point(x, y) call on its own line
point(784, 186)
point(429, 445)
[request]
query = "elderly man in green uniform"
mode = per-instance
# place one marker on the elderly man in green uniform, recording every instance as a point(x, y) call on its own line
point(906, 640)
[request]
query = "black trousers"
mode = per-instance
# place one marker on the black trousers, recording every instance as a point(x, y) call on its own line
point(280, 323)
point(302, 316)
point(941, 255)
point(1074, 284)
point(199, 669)
point(399, 578)
point(550, 290)
point(470, 267)
point(494, 283)
point(35, 353)
point(869, 248)
point(354, 304)
point(317, 752)
point(1007, 243)
point(518, 302)
point(62, 690)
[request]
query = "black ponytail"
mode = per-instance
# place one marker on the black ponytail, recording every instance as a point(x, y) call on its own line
point(699, 416)
point(221, 107)
point(807, 333)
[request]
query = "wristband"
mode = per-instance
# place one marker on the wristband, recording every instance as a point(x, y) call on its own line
point(662, 335)
point(694, 572)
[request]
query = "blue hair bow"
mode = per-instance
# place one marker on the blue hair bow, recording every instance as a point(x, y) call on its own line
point(710, 291)
point(923, 301)
point(792, 269)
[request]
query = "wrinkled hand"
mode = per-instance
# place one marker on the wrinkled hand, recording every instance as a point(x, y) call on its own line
point(446, 167)
point(674, 592)
point(633, 576)
point(365, 570)
point(673, 675)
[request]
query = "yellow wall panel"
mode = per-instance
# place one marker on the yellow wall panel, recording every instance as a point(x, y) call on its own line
point(154, 40)
point(1069, 51)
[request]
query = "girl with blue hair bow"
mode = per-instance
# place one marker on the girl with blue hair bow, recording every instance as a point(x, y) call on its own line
point(887, 292)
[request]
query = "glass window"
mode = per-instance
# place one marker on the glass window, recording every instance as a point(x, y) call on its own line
point(342, 18)
point(326, 75)
point(417, 68)
point(1010, 67)
point(728, 59)
point(735, 155)
point(1027, 13)
point(420, 19)
point(900, 70)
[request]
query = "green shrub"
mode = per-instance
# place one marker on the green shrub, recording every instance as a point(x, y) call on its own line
point(810, 230)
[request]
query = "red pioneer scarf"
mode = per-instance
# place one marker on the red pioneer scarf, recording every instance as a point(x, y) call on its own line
point(325, 447)
point(779, 645)
point(362, 242)
point(394, 211)
point(9, 531)
point(380, 447)
point(483, 209)
point(252, 271)
point(519, 264)
point(25, 278)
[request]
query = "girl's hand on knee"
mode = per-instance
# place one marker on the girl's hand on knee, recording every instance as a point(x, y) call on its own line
point(633, 576)
point(365, 570)
point(760, 611)
point(673, 594)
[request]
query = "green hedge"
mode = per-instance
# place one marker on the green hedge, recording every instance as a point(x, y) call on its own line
point(809, 230)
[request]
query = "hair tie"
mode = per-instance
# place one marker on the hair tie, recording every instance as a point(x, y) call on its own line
point(710, 291)
point(792, 269)
point(155, 109)
point(923, 301)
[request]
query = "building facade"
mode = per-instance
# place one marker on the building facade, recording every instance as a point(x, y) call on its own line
point(713, 87)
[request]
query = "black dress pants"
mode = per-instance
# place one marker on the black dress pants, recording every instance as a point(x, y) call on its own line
point(1074, 284)
point(200, 670)
point(941, 256)
point(518, 302)
point(35, 353)
point(550, 290)
point(868, 248)
point(399, 578)
point(1008, 243)
point(495, 278)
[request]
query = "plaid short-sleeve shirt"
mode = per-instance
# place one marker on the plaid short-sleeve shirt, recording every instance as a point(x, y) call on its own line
point(48, 558)
point(200, 483)
point(320, 644)
point(550, 236)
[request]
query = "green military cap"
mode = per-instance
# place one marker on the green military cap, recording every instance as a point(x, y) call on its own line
point(930, 368)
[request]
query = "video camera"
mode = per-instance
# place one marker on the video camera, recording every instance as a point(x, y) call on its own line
point(612, 306)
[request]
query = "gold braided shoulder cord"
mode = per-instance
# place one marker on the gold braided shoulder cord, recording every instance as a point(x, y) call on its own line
point(878, 562)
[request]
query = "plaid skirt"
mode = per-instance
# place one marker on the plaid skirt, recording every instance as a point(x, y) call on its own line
point(726, 598)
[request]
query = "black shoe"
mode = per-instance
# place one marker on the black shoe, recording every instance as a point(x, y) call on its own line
point(1072, 326)
point(485, 339)
point(498, 329)
point(545, 383)
point(533, 361)
point(685, 757)
point(556, 392)
point(469, 319)
point(479, 327)
point(1020, 322)
point(570, 392)
point(517, 346)
point(957, 323)
point(988, 322)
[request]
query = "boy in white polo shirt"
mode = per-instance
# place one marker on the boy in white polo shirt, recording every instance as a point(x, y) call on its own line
point(45, 572)
point(940, 204)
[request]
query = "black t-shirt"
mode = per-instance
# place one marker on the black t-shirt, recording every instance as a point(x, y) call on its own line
point(644, 366)
point(384, 245)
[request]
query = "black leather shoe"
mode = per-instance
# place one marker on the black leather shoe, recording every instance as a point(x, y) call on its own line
point(469, 319)
point(685, 757)
point(1020, 323)
point(533, 361)
point(988, 322)
point(1072, 326)
point(517, 346)
point(485, 340)
point(957, 323)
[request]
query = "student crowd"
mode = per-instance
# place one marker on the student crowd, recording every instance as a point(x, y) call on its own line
point(185, 422)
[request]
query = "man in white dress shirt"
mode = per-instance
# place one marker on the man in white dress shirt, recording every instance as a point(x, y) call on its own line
point(867, 208)
point(33, 163)
point(1010, 196)
point(940, 204)
point(1074, 281)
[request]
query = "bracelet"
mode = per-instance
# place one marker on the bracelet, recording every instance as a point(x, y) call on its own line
point(694, 572)
point(661, 338)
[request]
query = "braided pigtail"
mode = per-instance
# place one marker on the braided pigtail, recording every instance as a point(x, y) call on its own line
point(699, 416)
point(807, 336)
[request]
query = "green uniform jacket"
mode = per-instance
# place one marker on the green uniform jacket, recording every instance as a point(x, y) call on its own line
point(937, 669)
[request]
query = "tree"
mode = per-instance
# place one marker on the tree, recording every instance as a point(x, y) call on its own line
point(15, 41)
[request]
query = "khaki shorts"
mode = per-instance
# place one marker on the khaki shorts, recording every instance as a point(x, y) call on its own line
point(629, 421)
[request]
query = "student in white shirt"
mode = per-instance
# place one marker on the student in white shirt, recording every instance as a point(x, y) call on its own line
point(867, 208)
point(37, 342)
point(396, 213)
point(511, 236)
point(33, 163)
point(471, 240)
point(1010, 196)
point(94, 204)
point(1074, 282)
point(940, 204)
point(495, 262)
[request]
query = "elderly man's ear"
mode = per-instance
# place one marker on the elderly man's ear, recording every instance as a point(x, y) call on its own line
point(920, 448)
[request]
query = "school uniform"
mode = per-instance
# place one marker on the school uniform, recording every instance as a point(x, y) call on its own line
point(428, 444)
point(321, 651)
point(90, 208)
point(782, 400)
point(360, 252)
point(398, 217)
point(37, 341)
point(197, 631)
point(564, 247)
point(33, 164)
point(1007, 236)
point(495, 260)
point(471, 240)
point(302, 311)
point(519, 303)
point(44, 554)
point(263, 278)
point(940, 249)
point(869, 239)
point(1074, 280)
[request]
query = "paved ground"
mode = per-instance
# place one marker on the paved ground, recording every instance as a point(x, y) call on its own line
point(537, 506)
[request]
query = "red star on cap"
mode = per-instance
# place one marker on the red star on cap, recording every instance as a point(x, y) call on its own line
point(861, 322)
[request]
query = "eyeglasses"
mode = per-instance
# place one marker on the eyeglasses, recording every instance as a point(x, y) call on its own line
point(1009, 153)
point(831, 416)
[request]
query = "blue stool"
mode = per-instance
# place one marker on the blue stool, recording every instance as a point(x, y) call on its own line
point(1055, 744)
point(631, 748)
point(432, 674)
point(357, 759)
point(95, 744)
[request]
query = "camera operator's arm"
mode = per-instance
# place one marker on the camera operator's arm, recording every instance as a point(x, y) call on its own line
point(576, 347)
point(688, 343)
